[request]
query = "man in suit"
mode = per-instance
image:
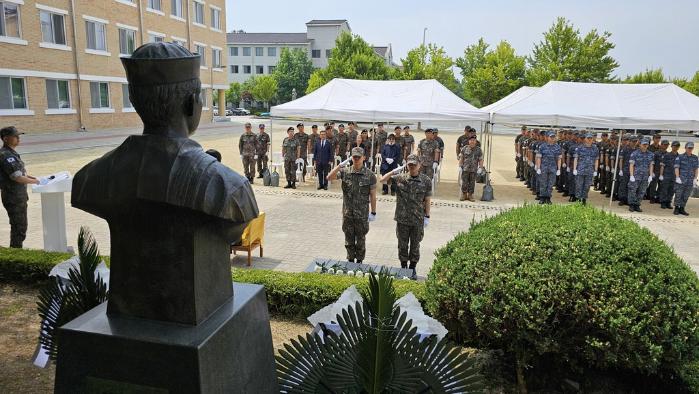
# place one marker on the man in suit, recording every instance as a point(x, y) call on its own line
point(323, 155)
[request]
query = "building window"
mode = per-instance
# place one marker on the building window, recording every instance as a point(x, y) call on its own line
point(247, 69)
point(246, 51)
point(96, 35)
point(270, 69)
point(9, 19)
point(233, 51)
point(155, 5)
point(99, 95)
point(215, 58)
point(176, 8)
point(215, 19)
point(125, 96)
point(204, 98)
point(259, 51)
point(127, 41)
point(328, 52)
point(52, 28)
point(315, 53)
point(272, 51)
point(12, 93)
point(259, 69)
point(202, 52)
point(198, 9)
point(234, 70)
point(57, 94)
point(156, 38)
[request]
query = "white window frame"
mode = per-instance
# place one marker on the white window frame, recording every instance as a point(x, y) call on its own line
point(249, 67)
point(272, 48)
point(217, 65)
point(249, 51)
point(257, 67)
point(237, 68)
point(52, 44)
point(125, 98)
point(231, 49)
point(17, 111)
point(196, 4)
point(128, 29)
point(152, 34)
point(312, 52)
point(173, 7)
point(150, 7)
point(96, 22)
point(179, 40)
point(59, 110)
point(215, 16)
point(101, 109)
point(262, 51)
point(127, 2)
point(12, 39)
point(203, 46)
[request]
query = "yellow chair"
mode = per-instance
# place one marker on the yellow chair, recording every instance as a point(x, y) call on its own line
point(253, 237)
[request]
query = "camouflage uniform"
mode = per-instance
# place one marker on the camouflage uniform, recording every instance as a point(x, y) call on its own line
point(289, 146)
point(352, 136)
point(381, 137)
point(262, 158)
point(247, 146)
point(688, 165)
point(641, 165)
point(518, 156)
point(342, 145)
point(667, 163)
point(408, 141)
point(14, 194)
point(427, 149)
point(469, 167)
point(410, 214)
point(313, 138)
point(586, 155)
point(302, 139)
point(549, 154)
point(356, 189)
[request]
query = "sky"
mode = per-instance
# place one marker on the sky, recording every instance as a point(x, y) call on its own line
point(647, 34)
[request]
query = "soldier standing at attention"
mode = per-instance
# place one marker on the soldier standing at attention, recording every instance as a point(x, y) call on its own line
point(408, 142)
point(571, 178)
point(304, 146)
point(247, 146)
point(686, 166)
point(352, 133)
point(262, 148)
point(358, 194)
point(548, 164)
point(667, 175)
point(518, 151)
point(399, 140)
point(343, 142)
point(440, 141)
point(585, 163)
point(470, 161)
point(601, 180)
point(291, 151)
point(654, 187)
point(381, 136)
point(414, 191)
point(627, 149)
point(313, 138)
point(428, 152)
point(640, 174)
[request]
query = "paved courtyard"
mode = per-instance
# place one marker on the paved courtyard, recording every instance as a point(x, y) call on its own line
point(305, 223)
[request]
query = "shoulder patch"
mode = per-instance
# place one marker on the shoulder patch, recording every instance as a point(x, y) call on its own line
point(10, 159)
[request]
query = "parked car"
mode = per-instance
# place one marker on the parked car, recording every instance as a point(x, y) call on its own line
point(215, 111)
point(229, 112)
point(241, 111)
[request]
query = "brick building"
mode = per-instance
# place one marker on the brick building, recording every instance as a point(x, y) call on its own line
point(60, 66)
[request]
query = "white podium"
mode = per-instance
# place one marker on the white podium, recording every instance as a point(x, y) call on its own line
point(53, 210)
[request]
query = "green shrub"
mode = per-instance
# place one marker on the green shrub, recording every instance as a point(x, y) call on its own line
point(299, 295)
point(569, 283)
point(27, 265)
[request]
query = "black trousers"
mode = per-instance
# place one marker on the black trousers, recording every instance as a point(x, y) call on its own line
point(322, 169)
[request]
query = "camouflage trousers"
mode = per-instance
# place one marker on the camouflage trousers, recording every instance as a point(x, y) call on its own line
point(427, 169)
point(355, 237)
point(290, 170)
point(665, 191)
point(262, 163)
point(623, 186)
point(582, 185)
point(682, 192)
point(249, 166)
point(17, 212)
point(637, 189)
point(409, 238)
point(545, 182)
point(468, 181)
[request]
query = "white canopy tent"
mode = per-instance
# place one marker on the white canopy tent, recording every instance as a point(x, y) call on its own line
point(381, 101)
point(626, 106)
point(512, 98)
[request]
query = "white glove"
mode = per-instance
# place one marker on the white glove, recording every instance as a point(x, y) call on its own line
point(389, 160)
point(538, 171)
point(480, 170)
point(255, 157)
point(404, 162)
point(347, 154)
point(426, 222)
point(607, 168)
point(650, 178)
point(299, 161)
point(567, 169)
point(594, 173)
point(558, 172)
point(575, 172)
point(678, 181)
point(518, 155)
point(661, 178)
point(345, 163)
point(434, 165)
point(398, 170)
point(372, 217)
point(621, 173)
point(632, 178)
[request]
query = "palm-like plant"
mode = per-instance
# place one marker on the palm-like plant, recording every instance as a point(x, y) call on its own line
point(378, 351)
point(59, 303)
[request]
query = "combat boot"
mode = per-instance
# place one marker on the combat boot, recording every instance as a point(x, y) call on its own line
point(293, 185)
point(637, 208)
point(469, 197)
point(288, 185)
point(412, 267)
point(584, 201)
point(683, 212)
point(631, 208)
point(463, 197)
point(542, 201)
point(676, 211)
point(548, 201)
point(404, 264)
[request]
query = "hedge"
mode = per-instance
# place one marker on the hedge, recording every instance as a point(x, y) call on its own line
point(299, 295)
point(28, 266)
point(569, 283)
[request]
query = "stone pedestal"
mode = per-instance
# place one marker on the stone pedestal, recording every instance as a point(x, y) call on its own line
point(229, 352)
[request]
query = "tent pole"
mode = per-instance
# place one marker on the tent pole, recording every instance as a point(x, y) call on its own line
point(488, 188)
point(270, 158)
point(616, 167)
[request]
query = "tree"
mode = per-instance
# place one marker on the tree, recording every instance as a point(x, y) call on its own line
point(491, 75)
point(430, 62)
point(234, 93)
point(264, 89)
point(564, 55)
point(692, 85)
point(292, 72)
point(352, 58)
point(648, 76)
